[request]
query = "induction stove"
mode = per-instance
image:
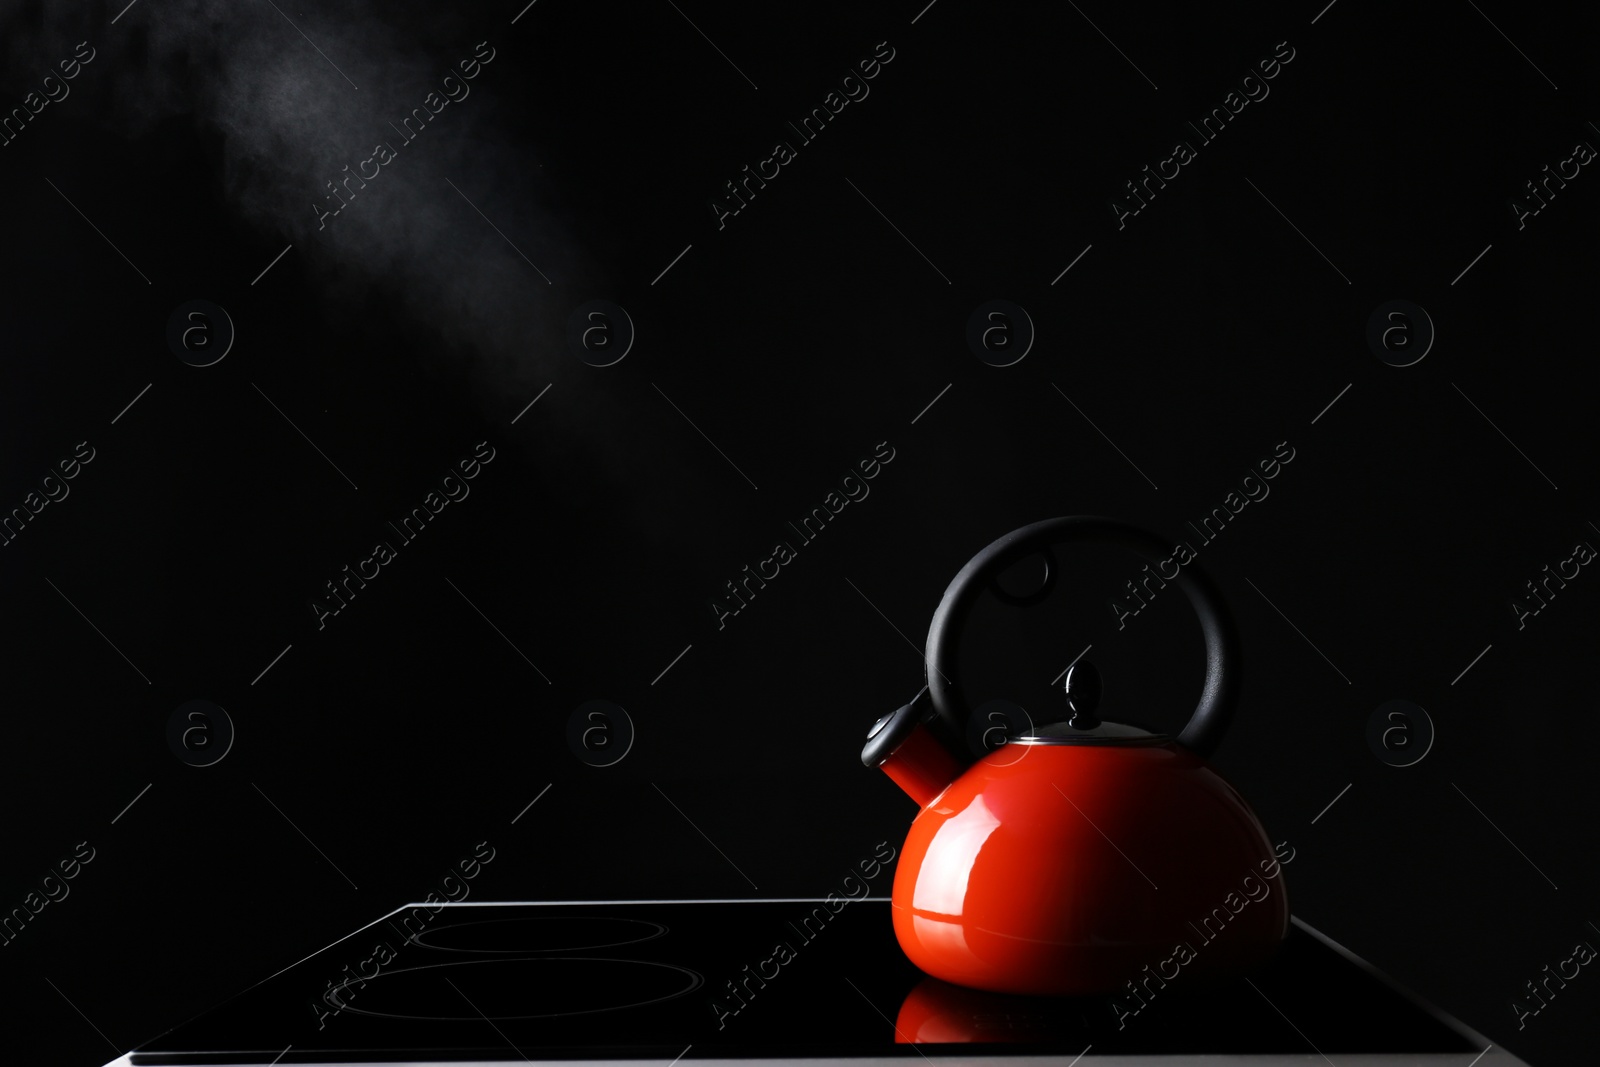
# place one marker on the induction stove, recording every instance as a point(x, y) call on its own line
point(790, 979)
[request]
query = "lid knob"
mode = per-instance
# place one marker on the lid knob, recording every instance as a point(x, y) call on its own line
point(1083, 690)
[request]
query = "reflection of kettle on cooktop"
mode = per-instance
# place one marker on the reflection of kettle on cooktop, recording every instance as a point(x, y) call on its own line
point(1080, 853)
point(937, 1013)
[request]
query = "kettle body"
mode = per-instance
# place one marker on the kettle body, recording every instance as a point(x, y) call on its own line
point(1079, 857)
point(1074, 869)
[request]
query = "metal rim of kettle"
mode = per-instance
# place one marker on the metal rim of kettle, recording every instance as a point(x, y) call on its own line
point(1218, 696)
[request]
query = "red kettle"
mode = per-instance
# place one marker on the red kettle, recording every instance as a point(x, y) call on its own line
point(1081, 856)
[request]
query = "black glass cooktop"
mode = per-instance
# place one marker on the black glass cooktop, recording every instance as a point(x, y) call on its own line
point(757, 979)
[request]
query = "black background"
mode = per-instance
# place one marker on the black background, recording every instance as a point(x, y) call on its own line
point(796, 338)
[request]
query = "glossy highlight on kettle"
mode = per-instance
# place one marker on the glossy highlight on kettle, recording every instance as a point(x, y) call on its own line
point(1065, 870)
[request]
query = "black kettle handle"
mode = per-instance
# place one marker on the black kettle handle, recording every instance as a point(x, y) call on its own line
point(1221, 692)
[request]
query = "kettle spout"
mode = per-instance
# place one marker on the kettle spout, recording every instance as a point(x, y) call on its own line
point(912, 748)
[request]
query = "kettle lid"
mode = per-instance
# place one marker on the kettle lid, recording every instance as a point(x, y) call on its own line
point(1083, 689)
point(1105, 733)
